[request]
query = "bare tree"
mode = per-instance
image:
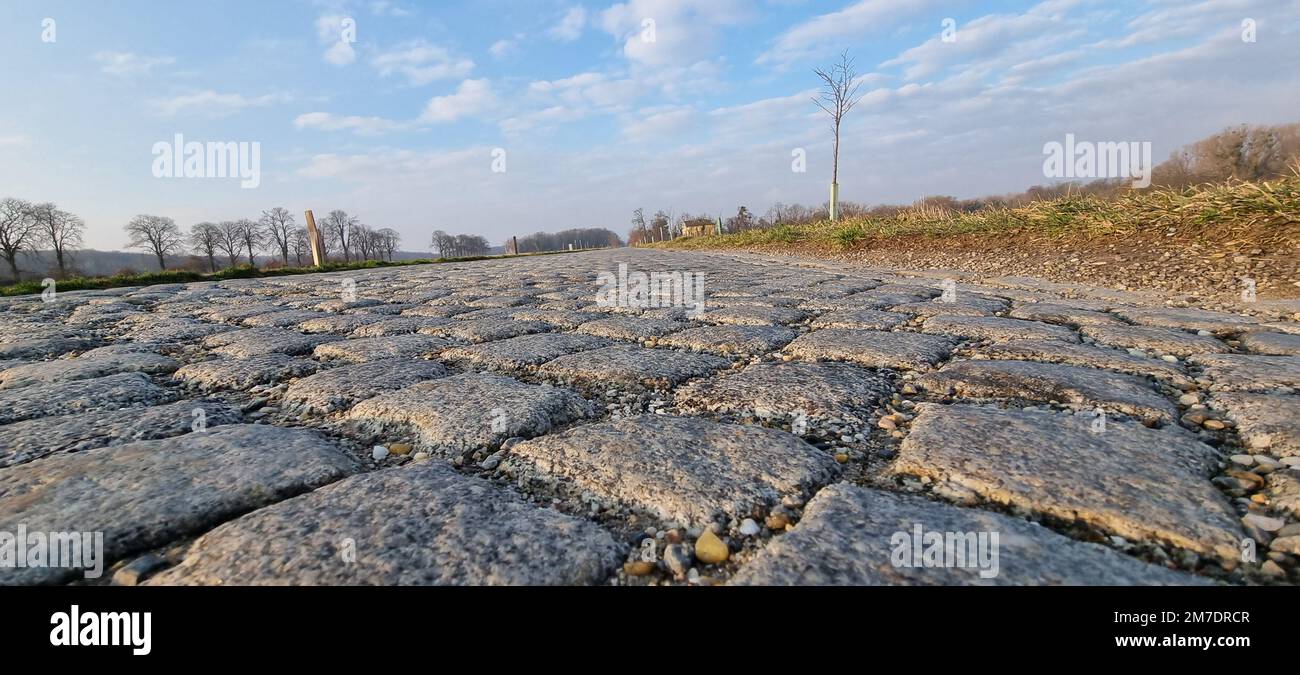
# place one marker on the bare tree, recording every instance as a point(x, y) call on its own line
point(60, 229)
point(338, 226)
point(441, 242)
point(363, 239)
point(839, 93)
point(157, 234)
point(388, 241)
point(250, 238)
point(301, 244)
point(278, 224)
point(229, 240)
point(204, 238)
point(17, 226)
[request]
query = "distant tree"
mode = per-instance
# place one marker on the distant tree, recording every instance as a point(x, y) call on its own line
point(638, 223)
point(440, 242)
point(301, 244)
point(60, 229)
point(204, 239)
point(17, 227)
point(156, 234)
point(250, 238)
point(364, 241)
point(338, 226)
point(743, 220)
point(278, 225)
point(838, 96)
point(230, 240)
point(389, 239)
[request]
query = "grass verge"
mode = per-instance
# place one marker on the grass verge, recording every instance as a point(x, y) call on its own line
point(238, 272)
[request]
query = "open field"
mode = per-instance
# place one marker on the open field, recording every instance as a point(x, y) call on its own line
point(492, 422)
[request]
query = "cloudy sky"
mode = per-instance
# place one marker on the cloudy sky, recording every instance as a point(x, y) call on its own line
point(406, 112)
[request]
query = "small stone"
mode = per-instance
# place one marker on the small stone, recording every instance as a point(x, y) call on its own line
point(749, 528)
point(1214, 425)
point(1263, 522)
point(1242, 460)
point(678, 557)
point(710, 549)
point(1246, 476)
point(493, 460)
point(1170, 358)
point(638, 568)
point(887, 423)
point(400, 449)
point(841, 457)
point(1290, 530)
point(1189, 399)
point(138, 570)
point(1286, 545)
point(777, 522)
point(421, 456)
point(1272, 569)
point(379, 452)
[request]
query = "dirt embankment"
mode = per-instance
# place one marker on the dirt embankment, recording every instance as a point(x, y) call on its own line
point(1164, 261)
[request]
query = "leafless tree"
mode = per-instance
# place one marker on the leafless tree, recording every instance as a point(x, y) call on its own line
point(388, 241)
point(17, 227)
point(839, 93)
point(301, 244)
point(338, 226)
point(363, 240)
point(278, 224)
point(229, 240)
point(58, 228)
point(250, 238)
point(204, 238)
point(157, 234)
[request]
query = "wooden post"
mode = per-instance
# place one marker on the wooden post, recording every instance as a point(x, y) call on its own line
point(314, 238)
point(514, 244)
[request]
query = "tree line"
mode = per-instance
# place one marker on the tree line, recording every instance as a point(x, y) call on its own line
point(26, 227)
point(459, 245)
point(585, 237)
point(276, 232)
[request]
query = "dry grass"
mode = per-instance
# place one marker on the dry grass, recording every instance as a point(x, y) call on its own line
point(1263, 212)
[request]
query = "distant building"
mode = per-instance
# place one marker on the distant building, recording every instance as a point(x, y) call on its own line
point(698, 227)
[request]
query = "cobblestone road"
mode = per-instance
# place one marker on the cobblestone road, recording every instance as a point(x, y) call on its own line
point(498, 422)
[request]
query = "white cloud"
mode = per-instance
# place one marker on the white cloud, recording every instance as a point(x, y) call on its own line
point(661, 124)
point(472, 96)
point(570, 25)
point(670, 33)
point(995, 41)
point(828, 33)
point(503, 48)
point(127, 63)
point(361, 125)
point(214, 104)
point(336, 31)
point(386, 8)
point(14, 141)
point(421, 63)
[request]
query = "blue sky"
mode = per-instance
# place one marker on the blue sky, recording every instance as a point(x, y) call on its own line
point(594, 118)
